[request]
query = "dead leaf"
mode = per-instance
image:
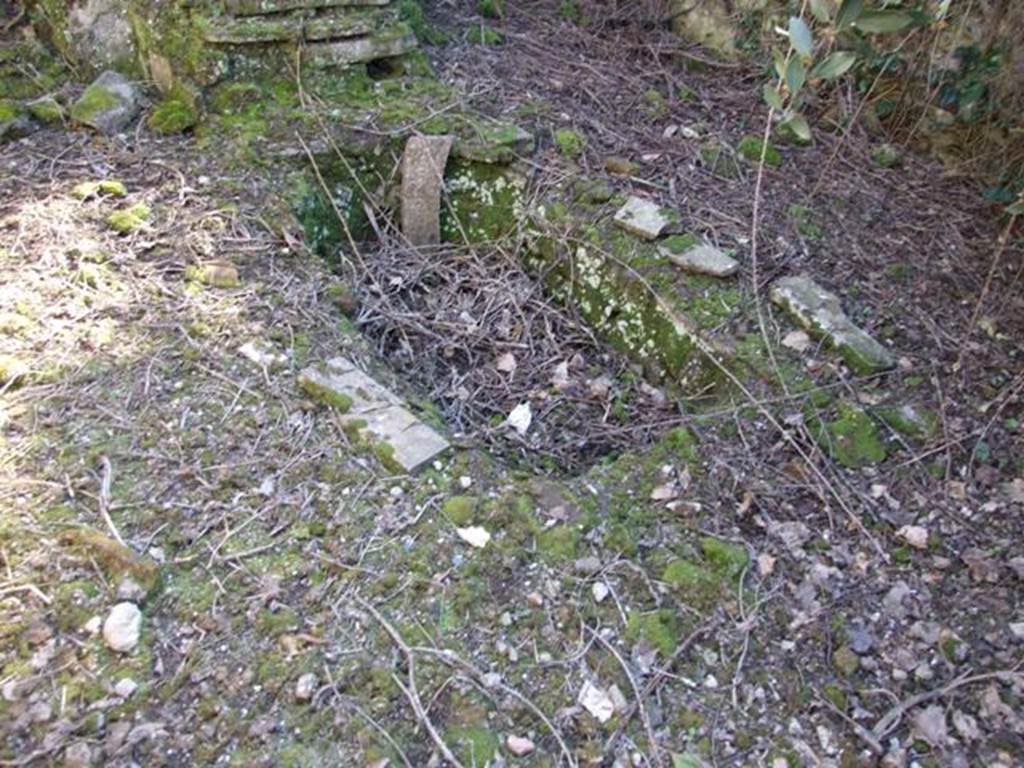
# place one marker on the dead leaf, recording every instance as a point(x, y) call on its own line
point(797, 340)
point(930, 725)
point(560, 378)
point(596, 701)
point(765, 564)
point(981, 566)
point(665, 492)
point(966, 726)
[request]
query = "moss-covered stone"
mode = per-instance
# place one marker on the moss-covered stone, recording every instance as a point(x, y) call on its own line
point(485, 202)
point(46, 110)
point(14, 121)
point(176, 113)
point(128, 220)
point(909, 421)
point(852, 438)
point(329, 397)
point(751, 148)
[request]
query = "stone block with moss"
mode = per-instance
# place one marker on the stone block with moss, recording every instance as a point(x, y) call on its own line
point(108, 105)
point(852, 438)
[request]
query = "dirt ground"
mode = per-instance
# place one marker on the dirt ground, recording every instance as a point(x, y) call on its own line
point(722, 594)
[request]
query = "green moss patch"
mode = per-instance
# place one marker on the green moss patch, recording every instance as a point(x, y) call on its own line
point(751, 148)
point(177, 113)
point(852, 438)
point(128, 220)
point(461, 510)
point(88, 189)
point(569, 143)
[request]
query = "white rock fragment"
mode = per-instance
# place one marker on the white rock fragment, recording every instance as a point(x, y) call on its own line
point(474, 535)
point(914, 535)
point(125, 687)
point(520, 418)
point(520, 746)
point(642, 218)
point(600, 591)
point(93, 626)
point(122, 627)
point(305, 687)
point(596, 701)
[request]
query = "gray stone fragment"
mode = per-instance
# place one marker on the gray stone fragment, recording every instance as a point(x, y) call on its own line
point(376, 410)
point(821, 313)
point(642, 218)
point(422, 180)
point(703, 259)
point(100, 33)
point(108, 105)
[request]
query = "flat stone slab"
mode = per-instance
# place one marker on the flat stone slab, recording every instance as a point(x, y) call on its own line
point(260, 7)
point(390, 41)
point(821, 313)
point(643, 218)
point(374, 410)
point(423, 165)
point(256, 31)
point(703, 259)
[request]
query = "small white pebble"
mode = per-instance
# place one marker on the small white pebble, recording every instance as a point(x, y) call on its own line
point(465, 481)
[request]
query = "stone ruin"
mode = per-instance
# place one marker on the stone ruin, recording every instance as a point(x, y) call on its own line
point(330, 32)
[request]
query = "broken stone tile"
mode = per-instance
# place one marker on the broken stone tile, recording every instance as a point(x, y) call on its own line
point(422, 179)
point(643, 218)
point(821, 313)
point(703, 259)
point(376, 410)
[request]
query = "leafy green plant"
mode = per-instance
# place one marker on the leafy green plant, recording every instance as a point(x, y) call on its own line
point(845, 37)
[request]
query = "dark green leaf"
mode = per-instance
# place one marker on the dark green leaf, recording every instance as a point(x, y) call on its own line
point(797, 124)
point(849, 12)
point(834, 65)
point(796, 75)
point(819, 9)
point(883, 22)
point(772, 97)
point(780, 64)
point(1017, 209)
point(800, 36)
